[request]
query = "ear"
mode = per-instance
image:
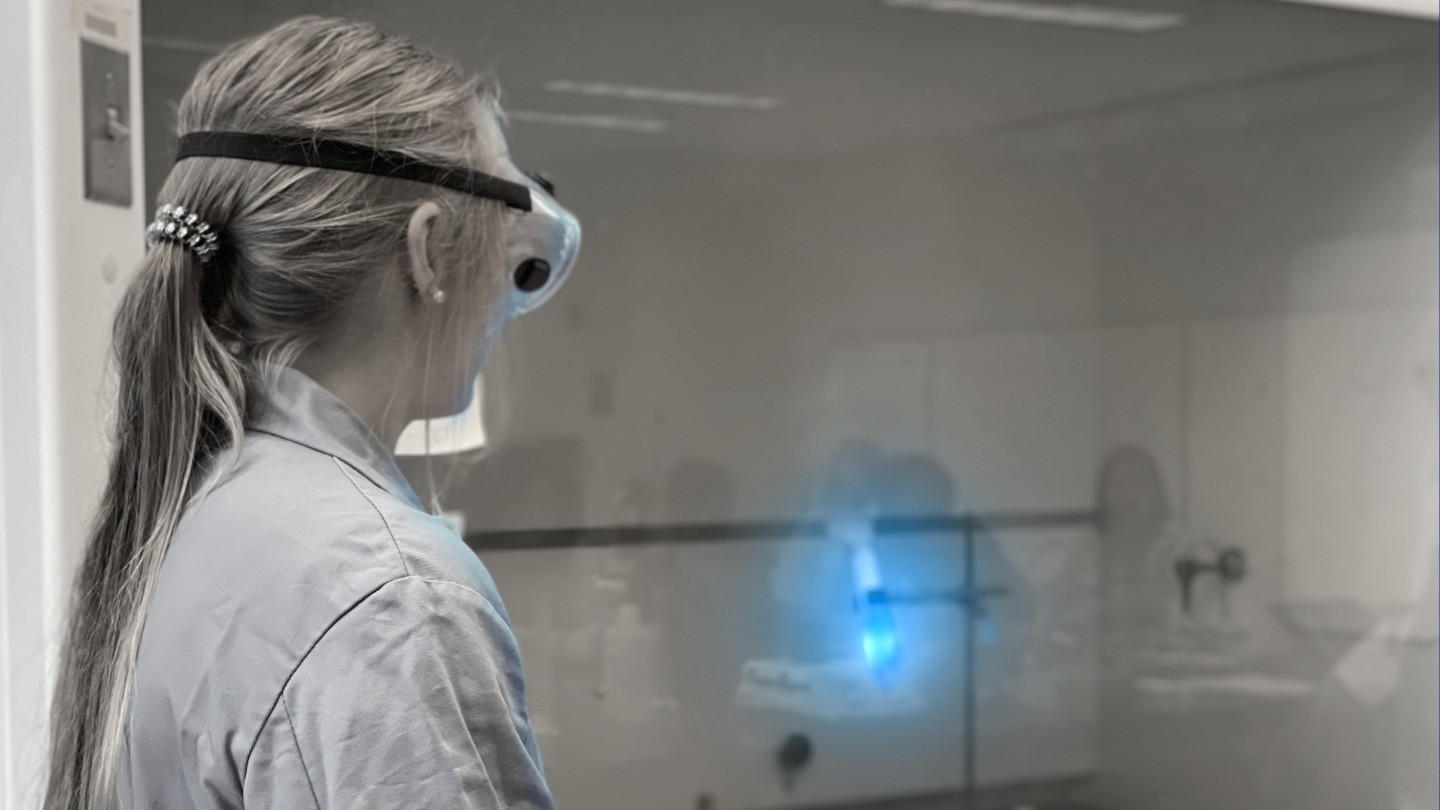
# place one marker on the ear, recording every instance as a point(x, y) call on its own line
point(417, 238)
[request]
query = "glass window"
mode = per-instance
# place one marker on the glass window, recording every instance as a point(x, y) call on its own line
point(1013, 403)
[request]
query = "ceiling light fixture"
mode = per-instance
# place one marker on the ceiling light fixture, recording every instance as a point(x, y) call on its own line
point(1424, 9)
point(631, 93)
point(648, 126)
point(1131, 21)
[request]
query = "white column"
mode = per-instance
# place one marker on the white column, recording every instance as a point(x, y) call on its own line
point(63, 263)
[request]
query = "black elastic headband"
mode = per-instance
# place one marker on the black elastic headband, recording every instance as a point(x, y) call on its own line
point(348, 157)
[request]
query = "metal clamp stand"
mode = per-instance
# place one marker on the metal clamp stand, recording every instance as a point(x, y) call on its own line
point(970, 597)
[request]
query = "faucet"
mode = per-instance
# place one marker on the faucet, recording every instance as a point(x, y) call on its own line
point(1226, 562)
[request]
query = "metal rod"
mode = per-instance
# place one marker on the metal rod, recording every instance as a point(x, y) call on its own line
point(736, 531)
point(970, 669)
point(967, 600)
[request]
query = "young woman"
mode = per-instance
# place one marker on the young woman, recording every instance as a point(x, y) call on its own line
point(266, 616)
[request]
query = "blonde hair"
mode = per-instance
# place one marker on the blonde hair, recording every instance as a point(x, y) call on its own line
point(193, 344)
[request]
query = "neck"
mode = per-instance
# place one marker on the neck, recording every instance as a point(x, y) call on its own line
point(373, 391)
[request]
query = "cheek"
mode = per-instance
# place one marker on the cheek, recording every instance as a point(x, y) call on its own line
point(482, 333)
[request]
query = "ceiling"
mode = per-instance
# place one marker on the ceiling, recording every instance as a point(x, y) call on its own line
point(849, 74)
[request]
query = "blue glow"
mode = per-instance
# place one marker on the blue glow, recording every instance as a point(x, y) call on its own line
point(879, 639)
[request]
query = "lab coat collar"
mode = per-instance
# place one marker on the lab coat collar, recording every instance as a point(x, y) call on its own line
point(302, 411)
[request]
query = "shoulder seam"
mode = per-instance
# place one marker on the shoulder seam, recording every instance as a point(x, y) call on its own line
point(488, 607)
point(405, 566)
point(259, 732)
point(299, 754)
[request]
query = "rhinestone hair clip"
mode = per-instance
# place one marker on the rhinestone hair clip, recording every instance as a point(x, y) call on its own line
point(174, 224)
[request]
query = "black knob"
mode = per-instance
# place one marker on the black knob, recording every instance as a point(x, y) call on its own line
point(795, 753)
point(532, 274)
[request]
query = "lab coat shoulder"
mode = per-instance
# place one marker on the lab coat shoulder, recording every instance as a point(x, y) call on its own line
point(268, 575)
point(413, 698)
point(424, 545)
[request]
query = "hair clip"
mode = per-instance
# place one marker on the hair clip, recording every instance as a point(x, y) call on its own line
point(174, 224)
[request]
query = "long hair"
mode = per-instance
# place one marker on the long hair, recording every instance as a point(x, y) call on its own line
point(194, 344)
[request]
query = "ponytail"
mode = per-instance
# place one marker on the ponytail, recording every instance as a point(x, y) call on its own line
point(181, 398)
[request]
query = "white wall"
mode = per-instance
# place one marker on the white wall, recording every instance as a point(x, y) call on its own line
point(63, 261)
point(1271, 290)
point(5, 724)
point(716, 291)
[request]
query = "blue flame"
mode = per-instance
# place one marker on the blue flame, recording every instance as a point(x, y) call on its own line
point(879, 639)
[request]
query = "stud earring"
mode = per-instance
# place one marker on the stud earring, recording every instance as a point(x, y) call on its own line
point(437, 295)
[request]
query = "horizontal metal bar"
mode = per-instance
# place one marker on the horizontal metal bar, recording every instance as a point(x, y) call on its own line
point(959, 596)
point(738, 531)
